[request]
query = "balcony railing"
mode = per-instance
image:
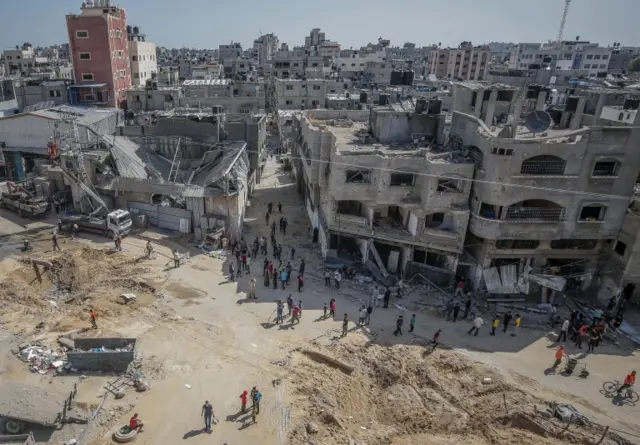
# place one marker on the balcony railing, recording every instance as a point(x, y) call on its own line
point(533, 214)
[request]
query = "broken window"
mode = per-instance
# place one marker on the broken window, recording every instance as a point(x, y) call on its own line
point(434, 220)
point(436, 260)
point(358, 176)
point(620, 248)
point(449, 185)
point(402, 179)
point(606, 168)
point(477, 156)
point(350, 208)
point(577, 244)
point(543, 165)
point(591, 213)
point(517, 244)
point(419, 256)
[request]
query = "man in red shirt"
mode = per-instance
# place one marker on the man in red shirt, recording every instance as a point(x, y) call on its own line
point(629, 380)
point(243, 400)
point(134, 422)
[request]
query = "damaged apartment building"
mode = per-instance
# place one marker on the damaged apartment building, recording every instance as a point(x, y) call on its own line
point(380, 188)
point(552, 186)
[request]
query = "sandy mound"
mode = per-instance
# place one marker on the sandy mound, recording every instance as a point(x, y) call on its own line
point(401, 396)
point(77, 280)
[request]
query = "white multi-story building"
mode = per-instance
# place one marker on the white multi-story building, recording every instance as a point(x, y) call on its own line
point(465, 62)
point(144, 65)
point(264, 48)
point(571, 55)
point(329, 49)
point(19, 61)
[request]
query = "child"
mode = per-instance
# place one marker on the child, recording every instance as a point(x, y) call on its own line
point(324, 310)
point(436, 337)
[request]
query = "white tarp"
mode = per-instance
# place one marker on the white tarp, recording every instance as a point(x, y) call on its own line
point(492, 280)
point(509, 276)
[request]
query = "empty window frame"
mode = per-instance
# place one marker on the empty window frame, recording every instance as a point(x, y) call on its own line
point(54, 93)
point(517, 244)
point(574, 244)
point(450, 185)
point(82, 34)
point(606, 168)
point(358, 176)
point(89, 98)
point(84, 56)
point(434, 220)
point(402, 179)
point(502, 151)
point(620, 248)
point(592, 213)
point(87, 76)
point(289, 87)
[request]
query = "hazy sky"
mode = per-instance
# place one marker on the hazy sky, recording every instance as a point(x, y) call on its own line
point(208, 23)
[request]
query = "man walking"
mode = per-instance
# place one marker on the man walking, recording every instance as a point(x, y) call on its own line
point(290, 303)
point(368, 316)
point(506, 321)
point(337, 278)
point(332, 308)
point(302, 266)
point(232, 276)
point(279, 312)
point(412, 323)
point(327, 278)
point(467, 307)
point(563, 331)
point(477, 324)
point(243, 400)
point(399, 323)
point(387, 296)
point(494, 325)
point(93, 315)
point(207, 413)
point(456, 311)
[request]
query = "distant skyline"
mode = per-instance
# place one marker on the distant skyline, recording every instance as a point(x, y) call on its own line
point(207, 23)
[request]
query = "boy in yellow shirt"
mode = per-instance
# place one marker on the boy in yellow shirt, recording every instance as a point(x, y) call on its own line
point(495, 324)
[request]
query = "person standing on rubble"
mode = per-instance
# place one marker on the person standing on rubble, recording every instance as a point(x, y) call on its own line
point(345, 325)
point(54, 240)
point(93, 315)
point(176, 258)
point(332, 308)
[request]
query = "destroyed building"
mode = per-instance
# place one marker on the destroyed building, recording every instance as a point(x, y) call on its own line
point(192, 188)
point(381, 187)
point(550, 193)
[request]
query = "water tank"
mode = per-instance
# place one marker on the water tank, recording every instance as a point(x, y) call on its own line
point(421, 105)
point(128, 29)
point(396, 78)
point(435, 106)
point(384, 99)
point(136, 30)
point(407, 78)
point(363, 97)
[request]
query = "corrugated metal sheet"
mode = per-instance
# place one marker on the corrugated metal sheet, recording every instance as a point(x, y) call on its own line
point(492, 280)
point(164, 217)
point(125, 155)
point(509, 276)
point(149, 186)
point(196, 205)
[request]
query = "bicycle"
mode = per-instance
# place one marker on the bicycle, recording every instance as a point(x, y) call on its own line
point(611, 389)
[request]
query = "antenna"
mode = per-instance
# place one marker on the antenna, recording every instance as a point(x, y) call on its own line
point(564, 20)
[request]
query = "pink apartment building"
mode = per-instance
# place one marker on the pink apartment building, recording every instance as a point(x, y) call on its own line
point(100, 54)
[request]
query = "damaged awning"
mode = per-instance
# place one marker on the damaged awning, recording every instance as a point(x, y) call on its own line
point(550, 281)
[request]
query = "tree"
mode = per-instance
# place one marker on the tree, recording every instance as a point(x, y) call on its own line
point(635, 64)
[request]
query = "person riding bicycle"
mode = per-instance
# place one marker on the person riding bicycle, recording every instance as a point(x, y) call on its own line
point(148, 248)
point(629, 380)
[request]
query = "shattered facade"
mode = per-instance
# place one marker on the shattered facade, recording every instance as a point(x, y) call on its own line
point(521, 212)
point(374, 187)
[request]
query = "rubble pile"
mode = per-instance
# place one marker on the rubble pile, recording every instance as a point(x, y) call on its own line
point(404, 395)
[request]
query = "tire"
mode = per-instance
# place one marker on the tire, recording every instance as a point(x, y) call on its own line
point(124, 434)
point(610, 387)
point(632, 396)
point(13, 427)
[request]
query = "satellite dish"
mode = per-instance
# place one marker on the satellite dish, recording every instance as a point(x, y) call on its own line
point(538, 121)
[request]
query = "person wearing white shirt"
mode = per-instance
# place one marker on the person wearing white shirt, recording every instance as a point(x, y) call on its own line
point(477, 324)
point(563, 331)
point(362, 316)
